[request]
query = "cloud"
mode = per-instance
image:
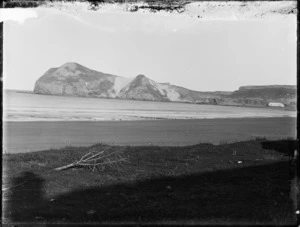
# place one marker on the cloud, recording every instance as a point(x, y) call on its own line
point(17, 15)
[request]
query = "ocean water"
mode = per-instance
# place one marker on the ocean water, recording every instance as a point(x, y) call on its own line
point(36, 122)
point(19, 106)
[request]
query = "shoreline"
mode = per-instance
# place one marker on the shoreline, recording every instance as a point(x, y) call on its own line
point(290, 109)
point(146, 119)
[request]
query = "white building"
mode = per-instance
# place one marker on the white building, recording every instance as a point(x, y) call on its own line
point(276, 104)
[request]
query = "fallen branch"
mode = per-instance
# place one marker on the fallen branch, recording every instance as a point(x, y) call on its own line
point(66, 166)
point(99, 159)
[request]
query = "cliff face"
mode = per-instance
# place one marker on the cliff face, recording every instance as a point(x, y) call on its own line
point(272, 92)
point(142, 88)
point(263, 95)
point(76, 80)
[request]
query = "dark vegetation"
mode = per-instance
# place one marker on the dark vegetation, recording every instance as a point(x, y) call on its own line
point(245, 182)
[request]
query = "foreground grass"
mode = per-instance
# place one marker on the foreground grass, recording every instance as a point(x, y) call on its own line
point(245, 182)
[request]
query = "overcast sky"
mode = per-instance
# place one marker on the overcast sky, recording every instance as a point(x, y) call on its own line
point(204, 55)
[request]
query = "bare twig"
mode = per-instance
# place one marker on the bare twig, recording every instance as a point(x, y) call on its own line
point(97, 154)
point(104, 163)
point(96, 160)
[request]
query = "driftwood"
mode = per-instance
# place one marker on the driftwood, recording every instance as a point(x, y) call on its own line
point(97, 160)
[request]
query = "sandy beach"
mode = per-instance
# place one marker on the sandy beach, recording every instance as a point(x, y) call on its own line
point(36, 136)
point(23, 107)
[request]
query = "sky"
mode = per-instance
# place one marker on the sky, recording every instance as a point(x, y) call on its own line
point(202, 55)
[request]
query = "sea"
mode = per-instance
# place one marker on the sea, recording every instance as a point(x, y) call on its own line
point(35, 122)
point(26, 107)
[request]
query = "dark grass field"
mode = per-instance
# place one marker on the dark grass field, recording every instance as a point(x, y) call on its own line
point(239, 183)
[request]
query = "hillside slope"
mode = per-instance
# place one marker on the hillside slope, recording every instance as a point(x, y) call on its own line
point(74, 79)
point(266, 92)
point(262, 95)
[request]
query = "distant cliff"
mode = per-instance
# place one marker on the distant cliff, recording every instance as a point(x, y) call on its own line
point(262, 95)
point(273, 92)
point(74, 79)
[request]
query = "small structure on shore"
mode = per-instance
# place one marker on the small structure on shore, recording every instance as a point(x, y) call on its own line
point(276, 104)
